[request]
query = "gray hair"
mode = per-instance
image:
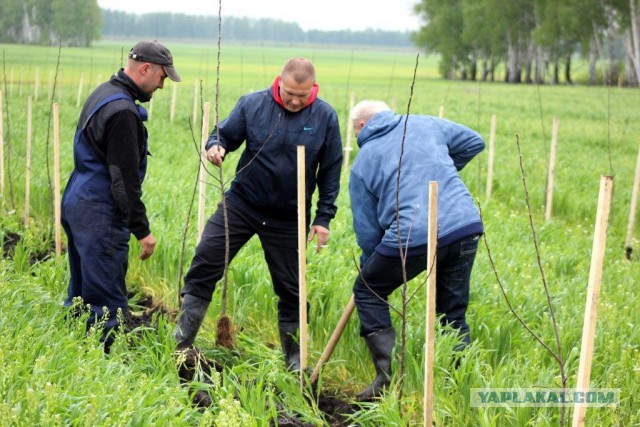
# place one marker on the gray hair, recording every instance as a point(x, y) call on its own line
point(366, 109)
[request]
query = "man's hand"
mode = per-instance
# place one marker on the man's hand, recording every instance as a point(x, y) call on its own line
point(323, 236)
point(148, 245)
point(215, 154)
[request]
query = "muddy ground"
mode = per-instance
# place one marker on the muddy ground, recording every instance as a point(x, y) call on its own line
point(192, 363)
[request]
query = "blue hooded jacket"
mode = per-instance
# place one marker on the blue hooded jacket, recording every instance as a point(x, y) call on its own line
point(434, 150)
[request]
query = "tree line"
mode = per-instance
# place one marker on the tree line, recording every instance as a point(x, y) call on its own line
point(81, 22)
point(49, 22)
point(532, 39)
point(176, 25)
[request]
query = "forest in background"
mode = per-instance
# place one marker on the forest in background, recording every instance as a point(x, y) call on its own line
point(521, 41)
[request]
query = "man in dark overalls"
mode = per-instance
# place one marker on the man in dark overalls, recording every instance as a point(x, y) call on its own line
point(101, 205)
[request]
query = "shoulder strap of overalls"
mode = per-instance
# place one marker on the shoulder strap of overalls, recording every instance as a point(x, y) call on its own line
point(105, 101)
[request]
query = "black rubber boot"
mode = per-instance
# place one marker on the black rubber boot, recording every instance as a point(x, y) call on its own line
point(192, 314)
point(290, 347)
point(380, 345)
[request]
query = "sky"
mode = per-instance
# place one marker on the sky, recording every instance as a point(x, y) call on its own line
point(357, 15)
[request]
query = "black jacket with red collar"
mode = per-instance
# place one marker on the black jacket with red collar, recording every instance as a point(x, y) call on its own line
point(265, 181)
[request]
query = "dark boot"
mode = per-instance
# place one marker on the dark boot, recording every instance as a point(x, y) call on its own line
point(192, 314)
point(290, 347)
point(380, 345)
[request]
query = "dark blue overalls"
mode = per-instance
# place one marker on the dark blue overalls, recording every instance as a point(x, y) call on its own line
point(97, 231)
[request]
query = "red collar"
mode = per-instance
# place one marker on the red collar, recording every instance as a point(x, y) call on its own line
point(275, 89)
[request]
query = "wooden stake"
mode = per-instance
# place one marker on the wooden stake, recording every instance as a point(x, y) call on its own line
point(195, 104)
point(492, 150)
point(302, 260)
point(394, 103)
point(552, 168)
point(634, 206)
point(1, 151)
point(80, 89)
point(150, 109)
point(333, 340)
point(56, 177)
point(27, 183)
point(203, 170)
point(593, 294)
point(347, 148)
point(173, 102)
point(441, 112)
point(432, 244)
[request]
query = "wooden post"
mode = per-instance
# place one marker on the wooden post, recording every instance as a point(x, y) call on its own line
point(552, 168)
point(333, 340)
point(441, 112)
point(195, 104)
point(302, 260)
point(203, 170)
point(593, 294)
point(347, 148)
point(432, 248)
point(27, 181)
point(80, 89)
point(492, 150)
point(634, 206)
point(1, 151)
point(56, 177)
point(394, 103)
point(172, 113)
point(150, 109)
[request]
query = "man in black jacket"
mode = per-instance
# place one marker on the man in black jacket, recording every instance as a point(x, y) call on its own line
point(262, 198)
point(102, 203)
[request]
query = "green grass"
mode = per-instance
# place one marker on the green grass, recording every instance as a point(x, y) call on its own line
point(53, 375)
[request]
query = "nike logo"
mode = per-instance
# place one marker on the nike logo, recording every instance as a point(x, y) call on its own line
point(307, 128)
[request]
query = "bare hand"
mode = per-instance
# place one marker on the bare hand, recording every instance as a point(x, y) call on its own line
point(215, 154)
point(148, 245)
point(323, 236)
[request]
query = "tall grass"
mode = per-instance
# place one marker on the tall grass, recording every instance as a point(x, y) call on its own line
point(54, 375)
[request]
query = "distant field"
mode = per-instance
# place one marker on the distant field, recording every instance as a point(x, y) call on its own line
point(52, 373)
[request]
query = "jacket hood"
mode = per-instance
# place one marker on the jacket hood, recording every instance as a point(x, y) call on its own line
point(275, 92)
point(378, 125)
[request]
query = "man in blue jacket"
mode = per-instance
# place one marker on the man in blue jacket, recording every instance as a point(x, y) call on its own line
point(102, 204)
point(262, 199)
point(390, 221)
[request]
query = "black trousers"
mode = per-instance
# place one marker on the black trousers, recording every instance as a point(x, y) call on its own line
point(280, 245)
point(382, 275)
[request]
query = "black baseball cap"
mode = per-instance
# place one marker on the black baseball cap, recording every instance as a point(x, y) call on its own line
point(156, 53)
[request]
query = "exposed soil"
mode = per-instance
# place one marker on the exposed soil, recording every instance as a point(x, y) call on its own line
point(11, 240)
point(194, 366)
point(9, 243)
point(334, 409)
point(145, 317)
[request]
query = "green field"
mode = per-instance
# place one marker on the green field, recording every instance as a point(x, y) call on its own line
point(53, 375)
